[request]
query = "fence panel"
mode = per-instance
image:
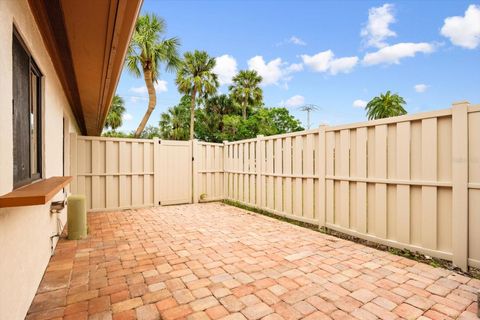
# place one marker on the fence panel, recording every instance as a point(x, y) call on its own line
point(175, 174)
point(278, 174)
point(113, 173)
point(386, 182)
point(209, 158)
point(241, 170)
point(474, 186)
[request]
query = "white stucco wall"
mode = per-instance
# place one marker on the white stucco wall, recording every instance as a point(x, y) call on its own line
point(25, 232)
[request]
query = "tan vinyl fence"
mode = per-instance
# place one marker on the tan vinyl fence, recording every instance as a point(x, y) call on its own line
point(403, 182)
point(277, 173)
point(116, 173)
point(208, 171)
point(408, 182)
point(112, 173)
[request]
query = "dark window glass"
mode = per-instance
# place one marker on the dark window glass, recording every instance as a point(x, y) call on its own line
point(27, 139)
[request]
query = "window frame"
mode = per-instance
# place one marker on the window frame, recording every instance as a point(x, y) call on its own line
point(33, 69)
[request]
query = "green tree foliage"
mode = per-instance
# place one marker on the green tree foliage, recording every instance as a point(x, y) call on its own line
point(175, 123)
point(210, 119)
point(246, 90)
point(195, 77)
point(114, 118)
point(221, 119)
point(150, 132)
point(264, 121)
point(385, 106)
point(116, 134)
point(145, 55)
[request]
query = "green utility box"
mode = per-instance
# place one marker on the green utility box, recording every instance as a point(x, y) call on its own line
point(76, 217)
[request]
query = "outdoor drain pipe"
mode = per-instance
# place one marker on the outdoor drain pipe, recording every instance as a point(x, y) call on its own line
point(55, 208)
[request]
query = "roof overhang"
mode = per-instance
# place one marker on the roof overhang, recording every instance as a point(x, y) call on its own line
point(87, 41)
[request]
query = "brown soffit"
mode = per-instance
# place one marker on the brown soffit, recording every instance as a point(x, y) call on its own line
point(92, 37)
point(49, 18)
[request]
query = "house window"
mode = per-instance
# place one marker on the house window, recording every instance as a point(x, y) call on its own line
point(27, 115)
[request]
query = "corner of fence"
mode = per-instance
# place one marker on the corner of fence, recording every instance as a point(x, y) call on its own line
point(259, 166)
point(195, 157)
point(321, 175)
point(156, 171)
point(460, 184)
point(225, 170)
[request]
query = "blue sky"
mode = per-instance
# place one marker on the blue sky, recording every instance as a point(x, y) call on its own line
point(334, 54)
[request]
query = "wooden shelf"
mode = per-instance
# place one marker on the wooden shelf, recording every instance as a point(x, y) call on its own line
point(34, 194)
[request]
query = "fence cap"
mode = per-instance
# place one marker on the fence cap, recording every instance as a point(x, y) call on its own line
point(461, 102)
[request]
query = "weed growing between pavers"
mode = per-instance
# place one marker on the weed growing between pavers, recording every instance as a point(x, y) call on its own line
point(416, 256)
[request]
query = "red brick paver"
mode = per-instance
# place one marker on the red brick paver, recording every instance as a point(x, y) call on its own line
point(213, 261)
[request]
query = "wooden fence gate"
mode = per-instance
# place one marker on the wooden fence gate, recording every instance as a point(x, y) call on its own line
point(174, 168)
point(115, 173)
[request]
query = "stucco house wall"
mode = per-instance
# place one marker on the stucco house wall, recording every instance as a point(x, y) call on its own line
point(25, 245)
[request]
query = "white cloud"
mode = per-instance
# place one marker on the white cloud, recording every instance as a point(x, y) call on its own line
point(464, 31)
point(225, 68)
point(139, 89)
point(319, 62)
point(294, 101)
point(160, 86)
point(135, 99)
point(297, 41)
point(344, 65)
point(292, 40)
point(392, 54)
point(378, 26)
point(359, 103)
point(421, 87)
point(325, 61)
point(274, 71)
point(127, 117)
point(294, 67)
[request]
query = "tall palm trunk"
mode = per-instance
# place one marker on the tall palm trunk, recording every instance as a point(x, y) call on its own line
point(192, 113)
point(152, 101)
point(244, 109)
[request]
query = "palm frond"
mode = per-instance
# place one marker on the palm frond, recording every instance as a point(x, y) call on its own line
point(133, 65)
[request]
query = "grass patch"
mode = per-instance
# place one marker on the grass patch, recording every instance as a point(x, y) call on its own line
point(310, 226)
point(416, 256)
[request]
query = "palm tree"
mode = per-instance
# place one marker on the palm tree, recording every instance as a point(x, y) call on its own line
point(115, 114)
point(246, 91)
point(385, 106)
point(146, 53)
point(174, 122)
point(195, 77)
point(209, 126)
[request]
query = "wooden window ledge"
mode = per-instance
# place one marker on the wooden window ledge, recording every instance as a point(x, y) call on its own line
point(34, 194)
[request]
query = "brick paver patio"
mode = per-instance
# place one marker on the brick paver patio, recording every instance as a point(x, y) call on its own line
point(212, 261)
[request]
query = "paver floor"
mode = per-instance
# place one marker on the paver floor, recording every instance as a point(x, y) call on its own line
point(213, 261)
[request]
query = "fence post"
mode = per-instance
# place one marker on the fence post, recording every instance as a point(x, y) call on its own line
point(195, 156)
point(259, 158)
point(321, 176)
point(225, 169)
point(460, 184)
point(156, 171)
point(73, 161)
